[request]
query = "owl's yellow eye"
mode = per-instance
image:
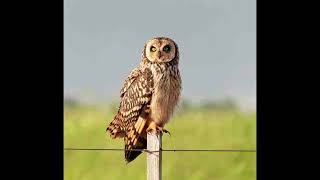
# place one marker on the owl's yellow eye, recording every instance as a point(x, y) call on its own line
point(153, 49)
point(166, 48)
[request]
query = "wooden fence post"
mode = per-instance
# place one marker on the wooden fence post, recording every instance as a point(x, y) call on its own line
point(154, 159)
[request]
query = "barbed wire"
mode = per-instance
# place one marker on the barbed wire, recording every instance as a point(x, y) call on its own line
point(167, 150)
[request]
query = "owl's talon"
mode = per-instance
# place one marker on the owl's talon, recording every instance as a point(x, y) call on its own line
point(150, 129)
point(162, 130)
point(153, 127)
point(166, 131)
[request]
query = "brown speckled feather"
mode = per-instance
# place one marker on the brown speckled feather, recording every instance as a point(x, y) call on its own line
point(135, 96)
point(127, 83)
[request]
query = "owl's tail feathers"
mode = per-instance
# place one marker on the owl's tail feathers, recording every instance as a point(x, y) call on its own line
point(136, 138)
point(114, 128)
point(130, 154)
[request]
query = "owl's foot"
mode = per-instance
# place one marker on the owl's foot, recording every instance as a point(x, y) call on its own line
point(153, 127)
point(166, 131)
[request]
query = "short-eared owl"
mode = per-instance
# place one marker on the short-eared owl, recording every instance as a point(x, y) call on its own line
point(148, 96)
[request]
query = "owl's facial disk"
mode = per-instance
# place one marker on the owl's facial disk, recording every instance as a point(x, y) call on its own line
point(160, 50)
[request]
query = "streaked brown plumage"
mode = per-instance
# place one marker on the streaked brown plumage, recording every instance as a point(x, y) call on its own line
point(148, 96)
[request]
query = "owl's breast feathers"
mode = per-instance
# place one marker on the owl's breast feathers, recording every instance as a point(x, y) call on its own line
point(166, 92)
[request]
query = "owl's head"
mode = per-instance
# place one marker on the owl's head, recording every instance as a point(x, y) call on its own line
point(161, 50)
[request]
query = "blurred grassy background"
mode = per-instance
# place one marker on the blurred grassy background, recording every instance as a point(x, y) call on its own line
point(202, 127)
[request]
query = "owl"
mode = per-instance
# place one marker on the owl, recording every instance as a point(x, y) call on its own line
point(148, 97)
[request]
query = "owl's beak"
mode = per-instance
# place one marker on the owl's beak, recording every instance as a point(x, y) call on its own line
point(159, 54)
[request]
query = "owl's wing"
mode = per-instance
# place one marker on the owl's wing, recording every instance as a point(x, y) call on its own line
point(129, 122)
point(127, 83)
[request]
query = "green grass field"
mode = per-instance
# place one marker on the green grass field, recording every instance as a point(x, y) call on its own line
point(84, 127)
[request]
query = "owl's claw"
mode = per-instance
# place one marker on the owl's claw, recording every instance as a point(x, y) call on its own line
point(166, 131)
point(151, 130)
point(157, 129)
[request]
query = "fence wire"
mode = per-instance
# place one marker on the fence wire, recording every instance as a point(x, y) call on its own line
point(166, 150)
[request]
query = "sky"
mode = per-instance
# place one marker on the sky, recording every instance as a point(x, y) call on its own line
point(103, 41)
